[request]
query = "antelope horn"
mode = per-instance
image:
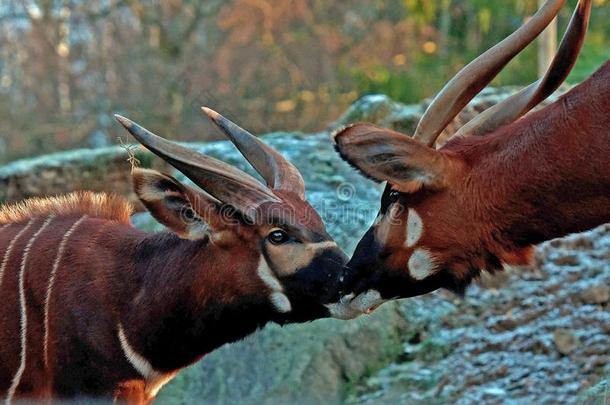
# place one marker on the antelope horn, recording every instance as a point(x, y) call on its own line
point(224, 182)
point(520, 103)
point(278, 172)
point(469, 81)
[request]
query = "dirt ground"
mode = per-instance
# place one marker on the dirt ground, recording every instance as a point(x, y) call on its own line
point(538, 335)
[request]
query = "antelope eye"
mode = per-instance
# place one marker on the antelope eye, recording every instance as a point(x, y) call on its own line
point(278, 237)
point(189, 214)
point(394, 195)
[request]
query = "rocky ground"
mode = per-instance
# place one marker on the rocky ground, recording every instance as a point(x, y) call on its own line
point(542, 336)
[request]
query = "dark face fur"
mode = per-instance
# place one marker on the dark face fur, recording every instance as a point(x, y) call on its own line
point(269, 229)
point(283, 243)
point(396, 256)
point(300, 262)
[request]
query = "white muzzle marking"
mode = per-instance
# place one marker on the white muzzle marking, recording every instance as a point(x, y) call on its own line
point(421, 264)
point(350, 307)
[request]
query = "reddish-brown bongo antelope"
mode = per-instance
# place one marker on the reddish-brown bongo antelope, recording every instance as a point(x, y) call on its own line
point(479, 202)
point(92, 307)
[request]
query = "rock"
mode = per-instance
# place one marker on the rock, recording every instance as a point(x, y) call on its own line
point(565, 341)
point(382, 110)
point(569, 259)
point(598, 294)
point(494, 392)
point(104, 169)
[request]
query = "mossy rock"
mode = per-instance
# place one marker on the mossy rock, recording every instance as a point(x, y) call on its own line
point(598, 394)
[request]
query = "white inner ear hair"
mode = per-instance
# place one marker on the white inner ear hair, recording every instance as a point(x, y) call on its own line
point(279, 300)
point(197, 229)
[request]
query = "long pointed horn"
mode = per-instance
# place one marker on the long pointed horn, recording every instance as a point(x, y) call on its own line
point(222, 181)
point(469, 81)
point(521, 102)
point(278, 172)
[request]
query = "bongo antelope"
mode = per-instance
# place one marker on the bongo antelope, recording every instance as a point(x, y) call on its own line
point(480, 202)
point(92, 307)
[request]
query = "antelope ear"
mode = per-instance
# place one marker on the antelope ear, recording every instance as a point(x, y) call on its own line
point(189, 213)
point(385, 155)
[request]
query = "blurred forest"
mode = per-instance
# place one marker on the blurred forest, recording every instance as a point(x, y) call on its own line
point(67, 65)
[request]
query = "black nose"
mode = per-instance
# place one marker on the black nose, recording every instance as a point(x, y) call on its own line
point(351, 279)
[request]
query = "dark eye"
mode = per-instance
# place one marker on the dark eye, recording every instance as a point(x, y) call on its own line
point(189, 214)
point(394, 195)
point(278, 237)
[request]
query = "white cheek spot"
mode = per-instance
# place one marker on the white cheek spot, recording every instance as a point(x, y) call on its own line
point(278, 299)
point(421, 264)
point(281, 302)
point(415, 228)
point(267, 276)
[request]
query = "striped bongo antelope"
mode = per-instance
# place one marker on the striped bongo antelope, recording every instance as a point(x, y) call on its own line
point(94, 308)
point(480, 202)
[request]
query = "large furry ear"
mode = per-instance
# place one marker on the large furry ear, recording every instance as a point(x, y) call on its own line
point(189, 213)
point(385, 155)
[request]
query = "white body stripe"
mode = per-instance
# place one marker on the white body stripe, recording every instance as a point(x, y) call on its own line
point(421, 264)
point(60, 253)
point(153, 378)
point(2, 228)
point(23, 309)
point(415, 228)
point(10, 248)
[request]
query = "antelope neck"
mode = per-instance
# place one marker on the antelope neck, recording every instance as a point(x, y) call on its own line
point(189, 298)
point(546, 175)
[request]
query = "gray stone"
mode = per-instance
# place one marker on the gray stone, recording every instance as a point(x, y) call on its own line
point(565, 341)
point(598, 294)
point(382, 110)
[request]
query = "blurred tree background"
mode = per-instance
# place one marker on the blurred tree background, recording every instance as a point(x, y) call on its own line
point(67, 65)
